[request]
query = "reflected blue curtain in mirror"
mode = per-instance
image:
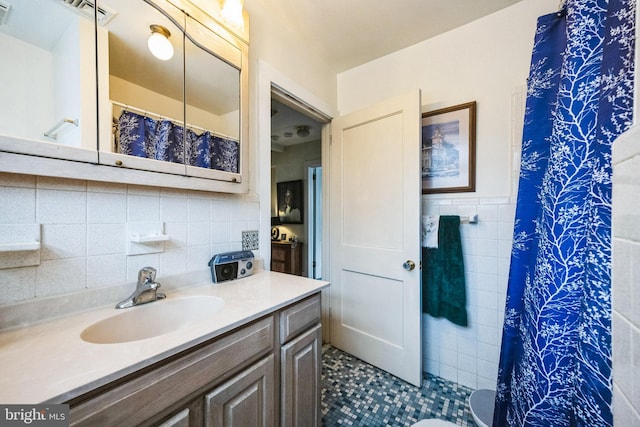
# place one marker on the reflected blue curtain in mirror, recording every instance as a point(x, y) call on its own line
point(142, 136)
point(555, 364)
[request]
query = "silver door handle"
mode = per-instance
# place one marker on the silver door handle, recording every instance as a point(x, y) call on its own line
point(409, 265)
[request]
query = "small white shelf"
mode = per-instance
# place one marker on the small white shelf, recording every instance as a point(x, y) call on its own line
point(19, 246)
point(149, 238)
point(146, 237)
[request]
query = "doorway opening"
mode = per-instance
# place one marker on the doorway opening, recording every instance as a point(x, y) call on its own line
point(296, 162)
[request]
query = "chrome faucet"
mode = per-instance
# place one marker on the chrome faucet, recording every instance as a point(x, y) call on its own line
point(146, 289)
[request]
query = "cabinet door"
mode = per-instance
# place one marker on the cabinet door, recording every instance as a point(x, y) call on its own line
point(279, 258)
point(245, 400)
point(188, 416)
point(181, 419)
point(301, 370)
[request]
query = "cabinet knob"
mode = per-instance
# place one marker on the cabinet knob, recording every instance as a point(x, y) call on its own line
point(118, 162)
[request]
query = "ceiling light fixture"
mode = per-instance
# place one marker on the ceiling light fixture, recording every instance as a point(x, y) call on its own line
point(232, 13)
point(159, 43)
point(303, 131)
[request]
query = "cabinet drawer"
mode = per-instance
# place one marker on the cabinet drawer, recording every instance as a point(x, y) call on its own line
point(299, 317)
point(279, 254)
point(138, 399)
point(279, 267)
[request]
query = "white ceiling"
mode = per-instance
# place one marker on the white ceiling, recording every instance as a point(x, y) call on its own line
point(348, 33)
point(285, 123)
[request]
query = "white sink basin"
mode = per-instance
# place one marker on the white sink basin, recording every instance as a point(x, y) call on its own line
point(152, 319)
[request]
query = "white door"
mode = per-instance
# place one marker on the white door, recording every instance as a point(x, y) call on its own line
point(374, 179)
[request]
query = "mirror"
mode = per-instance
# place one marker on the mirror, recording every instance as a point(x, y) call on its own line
point(142, 95)
point(181, 112)
point(48, 96)
point(180, 115)
point(212, 105)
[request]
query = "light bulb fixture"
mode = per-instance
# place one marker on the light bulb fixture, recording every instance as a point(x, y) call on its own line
point(232, 13)
point(159, 43)
point(303, 131)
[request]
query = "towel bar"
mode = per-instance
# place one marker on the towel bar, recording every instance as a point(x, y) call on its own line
point(52, 132)
point(473, 219)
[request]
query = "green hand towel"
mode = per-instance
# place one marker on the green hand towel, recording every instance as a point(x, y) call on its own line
point(443, 284)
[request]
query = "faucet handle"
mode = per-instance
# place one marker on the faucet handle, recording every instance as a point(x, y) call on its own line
point(146, 274)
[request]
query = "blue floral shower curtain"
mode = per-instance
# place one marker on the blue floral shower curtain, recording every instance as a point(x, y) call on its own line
point(142, 136)
point(555, 362)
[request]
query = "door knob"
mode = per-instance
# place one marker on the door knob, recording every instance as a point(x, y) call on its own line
point(409, 265)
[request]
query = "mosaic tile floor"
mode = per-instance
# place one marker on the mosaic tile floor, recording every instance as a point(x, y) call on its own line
point(355, 393)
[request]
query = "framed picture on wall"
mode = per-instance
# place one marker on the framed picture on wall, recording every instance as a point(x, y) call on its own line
point(290, 202)
point(449, 149)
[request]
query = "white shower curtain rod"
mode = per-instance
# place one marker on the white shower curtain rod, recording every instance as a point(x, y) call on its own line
point(187, 125)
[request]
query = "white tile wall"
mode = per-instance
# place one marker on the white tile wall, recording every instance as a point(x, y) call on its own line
point(469, 356)
point(626, 279)
point(83, 232)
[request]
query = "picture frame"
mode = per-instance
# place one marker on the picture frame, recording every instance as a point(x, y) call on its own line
point(290, 202)
point(448, 149)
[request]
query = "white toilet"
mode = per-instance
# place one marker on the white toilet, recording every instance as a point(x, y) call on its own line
point(433, 422)
point(481, 403)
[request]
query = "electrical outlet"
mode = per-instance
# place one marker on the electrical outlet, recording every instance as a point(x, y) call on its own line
point(249, 240)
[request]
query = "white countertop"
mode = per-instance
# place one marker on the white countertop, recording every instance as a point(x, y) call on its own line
point(49, 362)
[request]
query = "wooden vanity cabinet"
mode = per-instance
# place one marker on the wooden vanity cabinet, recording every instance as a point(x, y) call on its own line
point(301, 363)
point(265, 373)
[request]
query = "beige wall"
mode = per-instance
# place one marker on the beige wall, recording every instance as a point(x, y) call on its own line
point(272, 42)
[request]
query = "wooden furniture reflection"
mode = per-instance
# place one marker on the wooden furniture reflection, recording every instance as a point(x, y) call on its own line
point(286, 257)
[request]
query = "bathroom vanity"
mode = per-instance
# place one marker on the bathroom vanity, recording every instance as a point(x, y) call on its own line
point(255, 361)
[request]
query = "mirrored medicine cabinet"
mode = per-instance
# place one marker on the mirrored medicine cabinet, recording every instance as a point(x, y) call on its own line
point(84, 97)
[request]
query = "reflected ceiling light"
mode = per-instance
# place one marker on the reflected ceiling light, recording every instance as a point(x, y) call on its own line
point(159, 43)
point(232, 12)
point(303, 131)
